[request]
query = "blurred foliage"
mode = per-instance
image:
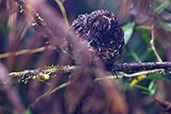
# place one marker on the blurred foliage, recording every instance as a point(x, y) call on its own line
point(136, 90)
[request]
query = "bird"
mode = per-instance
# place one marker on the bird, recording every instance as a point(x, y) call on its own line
point(101, 32)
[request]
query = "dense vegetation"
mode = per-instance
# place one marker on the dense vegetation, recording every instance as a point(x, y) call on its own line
point(46, 69)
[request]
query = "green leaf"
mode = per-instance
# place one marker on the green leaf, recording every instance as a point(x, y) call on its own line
point(146, 35)
point(150, 90)
point(143, 27)
point(134, 55)
point(156, 77)
point(146, 92)
point(128, 31)
point(166, 26)
point(28, 111)
point(141, 87)
point(161, 7)
point(152, 87)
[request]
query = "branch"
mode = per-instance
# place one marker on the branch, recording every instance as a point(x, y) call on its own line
point(40, 74)
point(134, 67)
point(122, 74)
point(27, 51)
point(46, 73)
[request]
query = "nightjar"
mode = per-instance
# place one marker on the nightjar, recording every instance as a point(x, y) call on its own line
point(101, 32)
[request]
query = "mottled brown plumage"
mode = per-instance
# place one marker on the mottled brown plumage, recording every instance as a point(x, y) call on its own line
point(101, 32)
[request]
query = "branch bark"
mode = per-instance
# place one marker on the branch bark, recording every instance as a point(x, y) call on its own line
point(134, 67)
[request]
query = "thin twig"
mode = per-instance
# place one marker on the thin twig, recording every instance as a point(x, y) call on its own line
point(49, 93)
point(26, 51)
point(63, 12)
point(122, 74)
point(152, 44)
